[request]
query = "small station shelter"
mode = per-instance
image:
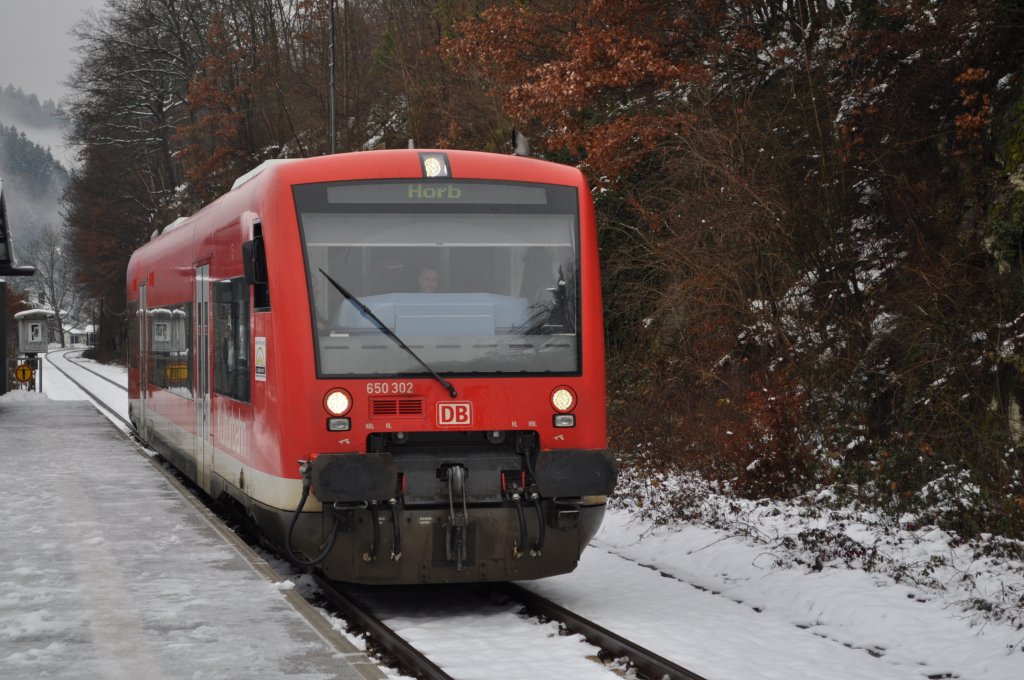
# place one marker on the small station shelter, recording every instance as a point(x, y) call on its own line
point(8, 267)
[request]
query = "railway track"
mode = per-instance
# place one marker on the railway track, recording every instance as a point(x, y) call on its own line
point(96, 399)
point(358, 606)
point(359, 610)
point(360, 614)
point(85, 367)
point(647, 663)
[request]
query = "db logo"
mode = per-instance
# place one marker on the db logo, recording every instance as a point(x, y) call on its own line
point(454, 413)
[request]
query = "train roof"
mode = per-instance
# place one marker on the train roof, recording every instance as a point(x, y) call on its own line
point(391, 164)
point(410, 164)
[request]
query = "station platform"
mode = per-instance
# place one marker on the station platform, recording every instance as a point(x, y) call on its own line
point(107, 571)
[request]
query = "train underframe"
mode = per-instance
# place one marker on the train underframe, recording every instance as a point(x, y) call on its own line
point(429, 539)
point(445, 508)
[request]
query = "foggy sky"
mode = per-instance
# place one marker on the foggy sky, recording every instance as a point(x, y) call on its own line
point(35, 46)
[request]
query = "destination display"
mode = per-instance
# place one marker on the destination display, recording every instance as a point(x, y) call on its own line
point(419, 192)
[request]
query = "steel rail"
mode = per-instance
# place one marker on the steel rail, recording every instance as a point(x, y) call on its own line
point(98, 401)
point(77, 361)
point(649, 664)
point(358, 613)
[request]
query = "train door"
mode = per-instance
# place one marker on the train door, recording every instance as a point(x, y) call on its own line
point(143, 359)
point(204, 446)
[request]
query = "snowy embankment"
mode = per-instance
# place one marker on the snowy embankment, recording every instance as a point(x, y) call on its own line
point(914, 601)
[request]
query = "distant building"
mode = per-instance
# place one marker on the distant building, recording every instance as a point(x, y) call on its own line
point(80, 335)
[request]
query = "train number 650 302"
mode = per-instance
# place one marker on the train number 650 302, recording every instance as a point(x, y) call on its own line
point(389, 388)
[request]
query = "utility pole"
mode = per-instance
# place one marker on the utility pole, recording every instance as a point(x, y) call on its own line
point(344, 77)
point(330, 106)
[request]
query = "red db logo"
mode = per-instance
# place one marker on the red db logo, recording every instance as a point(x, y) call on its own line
point(454, 413)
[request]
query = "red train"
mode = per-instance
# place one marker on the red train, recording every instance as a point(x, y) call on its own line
point(393, 360)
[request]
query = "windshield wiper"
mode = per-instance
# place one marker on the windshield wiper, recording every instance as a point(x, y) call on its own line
point(388, 332)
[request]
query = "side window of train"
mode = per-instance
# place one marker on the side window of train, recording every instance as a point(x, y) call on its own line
point(133, 335)
point(254, 257)
point(170, 348)
point(231, 338)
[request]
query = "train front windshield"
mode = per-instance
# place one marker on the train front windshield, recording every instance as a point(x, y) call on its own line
point(476, 277)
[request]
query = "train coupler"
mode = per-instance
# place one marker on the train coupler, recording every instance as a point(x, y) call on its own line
point(456, 545)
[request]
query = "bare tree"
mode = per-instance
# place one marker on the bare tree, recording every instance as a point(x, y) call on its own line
point(54, 283)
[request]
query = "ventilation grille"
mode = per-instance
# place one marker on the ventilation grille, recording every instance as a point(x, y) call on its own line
point(408, 407)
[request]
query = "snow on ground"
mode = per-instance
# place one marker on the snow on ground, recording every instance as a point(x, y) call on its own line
point(475, 639)
point(107, 572)
point(728, 605)
point(56, 386)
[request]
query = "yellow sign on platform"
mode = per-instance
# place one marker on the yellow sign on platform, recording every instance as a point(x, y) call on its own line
point(23, 373)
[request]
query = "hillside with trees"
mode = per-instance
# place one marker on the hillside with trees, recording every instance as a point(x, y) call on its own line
point(24, 109)
point(34, 181)
point(811, 212)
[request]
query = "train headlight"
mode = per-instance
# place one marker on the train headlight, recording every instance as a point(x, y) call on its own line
point(338, 402)
point(435, 165)
point(563, 399)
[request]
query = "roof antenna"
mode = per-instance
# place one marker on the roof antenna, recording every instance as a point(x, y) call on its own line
point(520, 144)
